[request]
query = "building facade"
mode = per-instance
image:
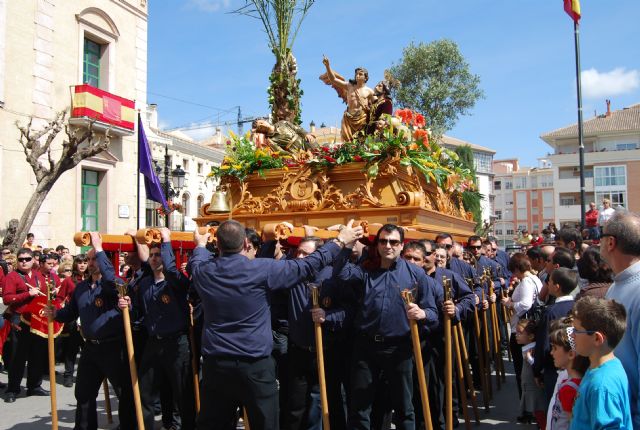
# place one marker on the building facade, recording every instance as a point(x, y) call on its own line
point(483, 163)
point(612, 163)
point(524, 199)
point(48, 50)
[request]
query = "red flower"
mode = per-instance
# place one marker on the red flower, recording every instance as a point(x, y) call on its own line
point(228, 142)
point(357, 158)
point(325, 149)
point(329, 159)
point(259, 163)
point(422, 136)
point(419, 121)
point(405, 114)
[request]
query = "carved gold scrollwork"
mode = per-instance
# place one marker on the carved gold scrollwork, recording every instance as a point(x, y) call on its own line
point(410, 198)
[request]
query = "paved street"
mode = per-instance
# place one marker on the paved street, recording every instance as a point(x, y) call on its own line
point(33, 413)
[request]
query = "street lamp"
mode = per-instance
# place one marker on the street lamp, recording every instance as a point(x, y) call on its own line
point(176, 176)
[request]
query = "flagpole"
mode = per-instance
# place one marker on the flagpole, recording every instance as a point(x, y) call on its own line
point(576, 33)
point(138, 179)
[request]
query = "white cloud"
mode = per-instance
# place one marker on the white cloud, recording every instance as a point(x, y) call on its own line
point(618, 81)
point(209, 5)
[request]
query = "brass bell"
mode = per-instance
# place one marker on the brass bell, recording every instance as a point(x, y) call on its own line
point(219, 202)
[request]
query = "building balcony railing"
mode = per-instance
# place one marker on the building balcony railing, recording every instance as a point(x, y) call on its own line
point(105, 110)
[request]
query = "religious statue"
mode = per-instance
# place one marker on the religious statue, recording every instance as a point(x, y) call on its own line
point(355, 94)
point(381, 105)
point(283, 136)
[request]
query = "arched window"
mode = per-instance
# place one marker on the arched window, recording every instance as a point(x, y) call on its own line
point(185, 204)
point(200, 202)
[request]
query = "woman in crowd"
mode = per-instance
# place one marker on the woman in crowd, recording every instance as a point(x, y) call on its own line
point(596, 271)
point(71, 340)
point(524, 294)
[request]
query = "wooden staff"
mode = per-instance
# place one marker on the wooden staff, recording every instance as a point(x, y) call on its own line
point(52, 360)
point(495, 333)
point(315, 300)
point(448, 365)
point(506, 318)
point(467, 373)
point(486, 394)
point(462, 389)
point(487, 347)
point(245, 419)
point(407, 296)
point(122, 290)
point(107, 401)
point(194, 362)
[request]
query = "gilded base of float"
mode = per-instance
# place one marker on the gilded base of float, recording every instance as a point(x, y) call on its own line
point(325, 197)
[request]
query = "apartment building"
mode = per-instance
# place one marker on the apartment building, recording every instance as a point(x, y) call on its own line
point(612, 162)
point(88, 57)
point(524, 198)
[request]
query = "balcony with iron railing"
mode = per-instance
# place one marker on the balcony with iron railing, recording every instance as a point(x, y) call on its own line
point(102, 110)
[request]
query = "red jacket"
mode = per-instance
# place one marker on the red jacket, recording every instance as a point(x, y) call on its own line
point(16, 292)
point(68, 287)
point(591, 218)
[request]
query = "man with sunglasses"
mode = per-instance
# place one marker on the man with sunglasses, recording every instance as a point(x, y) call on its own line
point(382, 343)
point(422, 254)
point(21, 286)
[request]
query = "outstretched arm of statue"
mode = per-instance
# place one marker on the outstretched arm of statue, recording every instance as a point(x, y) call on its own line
point(334, 78)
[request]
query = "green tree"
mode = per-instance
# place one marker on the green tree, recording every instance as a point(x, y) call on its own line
point(434, 79)
point(470, 199)
point(281, 20)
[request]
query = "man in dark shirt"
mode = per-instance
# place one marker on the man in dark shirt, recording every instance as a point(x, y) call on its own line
point(458, 309)
point(237, 338)
point(162, 303)
point(382, 345)
point(95, 302)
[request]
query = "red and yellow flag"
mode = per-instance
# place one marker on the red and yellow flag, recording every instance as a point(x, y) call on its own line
point(572, 7)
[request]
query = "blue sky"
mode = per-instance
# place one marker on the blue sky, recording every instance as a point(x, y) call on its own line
point(523, 51)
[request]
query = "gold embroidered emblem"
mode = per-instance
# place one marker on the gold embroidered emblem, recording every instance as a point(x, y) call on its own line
point(98, 302)
point(326, 302)
point(165, 299)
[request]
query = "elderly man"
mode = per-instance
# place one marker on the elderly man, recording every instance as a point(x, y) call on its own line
point(620, 246)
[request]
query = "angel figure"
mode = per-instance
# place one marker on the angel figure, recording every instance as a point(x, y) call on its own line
point(357, 96)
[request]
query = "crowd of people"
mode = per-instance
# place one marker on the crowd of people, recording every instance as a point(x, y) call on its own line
point(565, 314)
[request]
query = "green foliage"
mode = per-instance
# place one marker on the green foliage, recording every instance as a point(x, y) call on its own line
point(435, 80)
point(470, 198)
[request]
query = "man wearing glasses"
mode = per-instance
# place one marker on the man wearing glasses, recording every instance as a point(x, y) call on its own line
point(620, 246)
point(21, 286)
point(382, 344)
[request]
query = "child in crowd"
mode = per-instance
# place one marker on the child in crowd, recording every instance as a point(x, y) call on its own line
point(532, 404)
point(563, 350)
point(603, 397)
point(562, 282)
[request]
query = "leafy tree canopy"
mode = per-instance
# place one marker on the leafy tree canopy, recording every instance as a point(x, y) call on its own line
point(434, 79)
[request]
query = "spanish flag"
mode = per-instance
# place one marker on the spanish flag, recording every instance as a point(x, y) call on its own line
point(572, 7)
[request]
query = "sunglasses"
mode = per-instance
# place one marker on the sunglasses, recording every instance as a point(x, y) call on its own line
point(67, 270)
point(24, 259)
point(474, 246)
point(448, 246)
point(392, 242)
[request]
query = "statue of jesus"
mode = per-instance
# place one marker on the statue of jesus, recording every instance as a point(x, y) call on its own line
point(355, 94)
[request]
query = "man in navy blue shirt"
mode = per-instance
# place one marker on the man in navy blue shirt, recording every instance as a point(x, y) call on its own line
point(382, 346)
point(95, 302)
point(162, 303)
point(237, 338)
point(458, 309)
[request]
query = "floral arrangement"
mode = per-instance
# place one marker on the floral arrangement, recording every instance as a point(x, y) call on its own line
point(402, 136)
point(172, 207)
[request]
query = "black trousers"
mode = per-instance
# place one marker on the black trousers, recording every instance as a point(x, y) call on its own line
point(169, 359)
point(303, 377)
point(229, 382)
point(516, 355)
point(70, 346)
point(372, 361)
point(31, 348)
point(99, 361)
